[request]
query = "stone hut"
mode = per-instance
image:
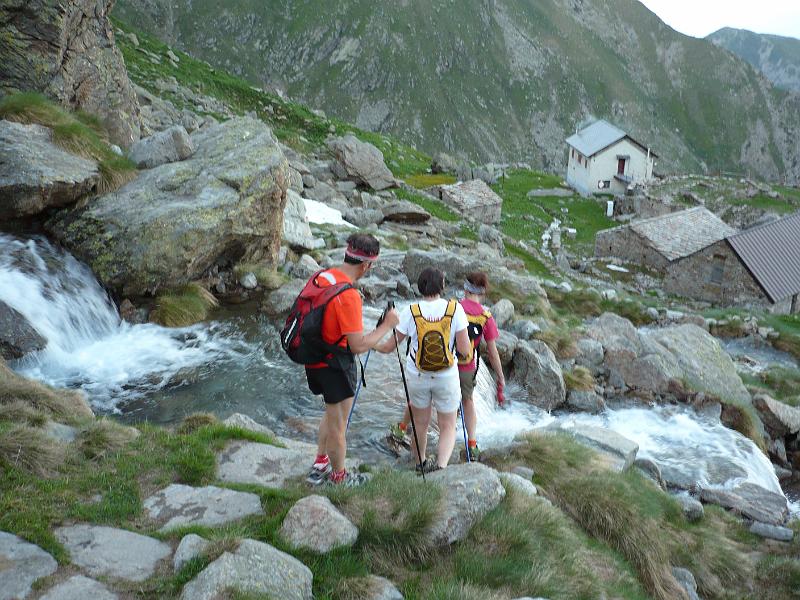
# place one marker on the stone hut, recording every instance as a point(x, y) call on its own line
point(473, 200)
point(660, 241)
point(755, 267)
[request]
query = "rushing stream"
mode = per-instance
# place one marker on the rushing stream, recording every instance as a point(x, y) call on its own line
point(235, 364)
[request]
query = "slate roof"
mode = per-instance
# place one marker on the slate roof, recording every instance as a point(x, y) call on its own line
point(771, 253)
point(598, 136)
point(682, 233)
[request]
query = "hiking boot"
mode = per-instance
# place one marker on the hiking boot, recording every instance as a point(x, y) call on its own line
point(396, 433)
point(474, 454)
point(350, 480)
point(319, 473)
point(428, 466)
point(397, 440)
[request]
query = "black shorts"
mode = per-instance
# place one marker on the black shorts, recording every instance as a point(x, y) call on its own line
point(335, 385)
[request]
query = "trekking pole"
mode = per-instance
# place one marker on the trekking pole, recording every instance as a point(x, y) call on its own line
point(408, 397)
point(364, 369)
point(464, 429)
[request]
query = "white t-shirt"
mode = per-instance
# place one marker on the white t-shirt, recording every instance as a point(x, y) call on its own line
point(433, 311)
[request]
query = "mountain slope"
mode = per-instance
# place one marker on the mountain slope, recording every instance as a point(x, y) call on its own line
point(776, 56)
point(498, 79)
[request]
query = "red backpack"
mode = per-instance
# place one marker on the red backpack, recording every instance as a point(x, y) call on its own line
point(301, 336)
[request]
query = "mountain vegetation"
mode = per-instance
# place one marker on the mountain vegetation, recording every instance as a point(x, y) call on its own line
point(776, 56)
point(500, 80)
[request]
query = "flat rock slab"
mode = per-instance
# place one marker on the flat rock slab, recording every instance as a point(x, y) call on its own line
point(314, 523)
point(21, 563)
point(773, 532)
point(619, 451)
point(178, 505)
point(470, 491)
point(79, 588)
point(105, 551)
point(750, 500)
point(262, 464)
point(255, 568)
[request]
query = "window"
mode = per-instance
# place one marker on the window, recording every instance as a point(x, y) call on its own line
point(717, 274)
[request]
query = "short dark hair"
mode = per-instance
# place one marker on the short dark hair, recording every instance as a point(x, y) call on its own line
point(365, 243)
point(480, 279)
point(430, 282)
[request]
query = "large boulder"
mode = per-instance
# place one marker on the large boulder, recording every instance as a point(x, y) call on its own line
point(173, 222)
point(779, 418)
point(21, 563)
point(362, 162)
point(473, 199)
point(256, 568)
point(117, 553)
point(35, 174)
point(170, 145)
point(470, 491)
point(536, 368)
point(17, 335)
point(296, 230)
point(314, 523)
point(66, 50)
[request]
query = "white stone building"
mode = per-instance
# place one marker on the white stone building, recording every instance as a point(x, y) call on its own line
point(603, 158)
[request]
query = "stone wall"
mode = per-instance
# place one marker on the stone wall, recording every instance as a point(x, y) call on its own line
point(626, 244)
point(644, 207)
point(66, 50)
point(715, 274)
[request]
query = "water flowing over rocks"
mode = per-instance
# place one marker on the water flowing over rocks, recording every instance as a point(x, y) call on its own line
point(35, 174)
point(470, 491)
point(191, 546)
point(79, 588)
point(178, 505)
point(109, 552)
point(361, 162)
point(314, 523)
point(173, 222)
point(170, 145)
point(253, 567)
point(17, 335)
point(67, 51)
point(22, 564)
point(537, 369)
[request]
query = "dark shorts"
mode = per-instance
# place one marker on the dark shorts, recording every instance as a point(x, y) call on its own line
point(335, 385)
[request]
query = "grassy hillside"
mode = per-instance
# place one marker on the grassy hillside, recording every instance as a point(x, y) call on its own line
point(776, 56)
point(507, 79)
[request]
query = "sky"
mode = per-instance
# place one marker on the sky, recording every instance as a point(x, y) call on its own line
point(698, 18)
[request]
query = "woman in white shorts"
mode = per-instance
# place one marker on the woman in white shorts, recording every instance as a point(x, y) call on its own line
point(439, 386)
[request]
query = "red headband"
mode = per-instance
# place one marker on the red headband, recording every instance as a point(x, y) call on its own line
point(359, 254)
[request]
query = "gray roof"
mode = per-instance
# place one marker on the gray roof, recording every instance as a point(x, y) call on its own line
point(682, 233)
point(598, 136)
point(771, 253)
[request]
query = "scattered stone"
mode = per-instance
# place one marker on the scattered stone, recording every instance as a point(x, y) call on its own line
point(524, 329)
point(362, 162)
point(507, 344)
point(254, 567)
point(536, 367)
point(105, 551)
point(590, 354)
point(363, 217)
point(314, 523)
point(519, 484)
point(473, 199)
point(191, 546)
point(178, 505)
point(773, 532)
point(779, 418)
point(248, 281)
point(692, 509)
point(17, 336)
point(296, 230)
point(750, 500)
point(305, 267)
point(470, 491)
point(686, 580)
point(60, 432)
point(443, 163)
point(403, 211)
point(491, 236)
point(35, 174)
point(21, 563)
point(281, 300)
point(617, 451)
point(380, 588)
point(585, 401)
point(503, 312)
point(651, 469)
point(244, 422)
point(609, 294)
point(170, 145)
point(79, 587)
point(524, 472)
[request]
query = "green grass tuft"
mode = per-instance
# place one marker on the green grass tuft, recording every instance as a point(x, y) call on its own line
point(67, 406)
point(579, 379)
point(30, 450)
point(426, 180)
point(184, 306)
point(436, 208)
point(104, 436)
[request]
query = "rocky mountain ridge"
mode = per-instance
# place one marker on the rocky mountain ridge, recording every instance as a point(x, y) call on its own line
point(505, 79)
point(776, 56)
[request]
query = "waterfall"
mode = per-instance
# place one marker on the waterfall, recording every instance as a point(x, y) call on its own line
point(88, 345)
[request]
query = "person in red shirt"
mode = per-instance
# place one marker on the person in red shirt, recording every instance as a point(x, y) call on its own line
point(335, 379)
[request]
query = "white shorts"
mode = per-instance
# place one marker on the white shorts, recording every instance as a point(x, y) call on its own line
point(443, 391)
